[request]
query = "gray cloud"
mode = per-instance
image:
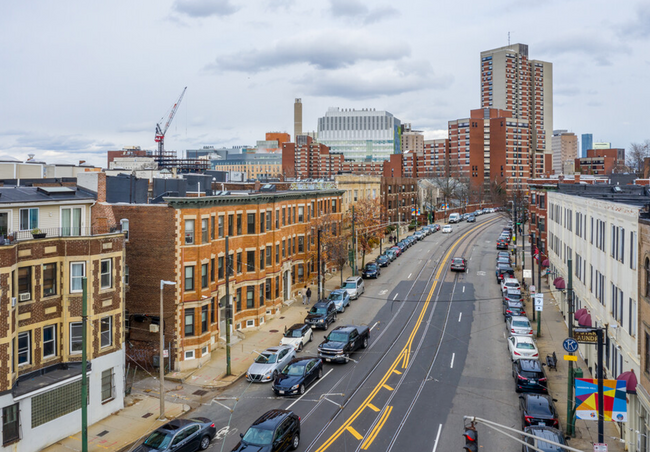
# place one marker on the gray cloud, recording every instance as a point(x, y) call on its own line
point(598, 47)
point(355, 9)
point(204, 8)
point(639, 27)
point(323, 50)
point(25, 141)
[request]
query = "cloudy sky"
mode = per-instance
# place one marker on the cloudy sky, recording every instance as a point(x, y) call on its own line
point(79, 78)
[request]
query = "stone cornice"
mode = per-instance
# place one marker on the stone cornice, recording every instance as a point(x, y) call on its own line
point(252, 199)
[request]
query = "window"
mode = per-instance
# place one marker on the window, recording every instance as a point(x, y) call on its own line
point(301, 214)
point(126, 275)
point(10, 424)
point(250, 261)
point(189, 322)
point(204, 230)
point(189, 232)
point(268, 289)
point(283, 249)
point(49, 341)
point(230, 225)
point(204, 319)
point(55, 403)
point(221, 219)
point(301, 244)
point(262, 294)
point(213, 311)
point(647, 277)
point(631, 318)
point(269, 219)
point(24, 348)
point(277, 287)
point(124, 223)
point(25, 283)
point(277, 253)
point(212, 270)
point(77, 274)
point(189, 354)
point(106, 273)
point(251, 224)
point(262, 222)
point(238, 299)
point(212, 228)
point(106, 326)
point(71, 222)
point(250, 297)
point(239, 265)
point(269, 256)
point(220, 267)
point(239, 224)
point(204, 276)
point(262, 259)
point(28, 219)
point(49, 279)
point(189, 278)
point(284, 216)
point(107, 385)
point(277, 219)
point(76, 330)
point(230, 264)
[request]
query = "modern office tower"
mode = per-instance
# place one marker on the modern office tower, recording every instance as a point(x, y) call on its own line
point(510, 81)
point(587, 143)
point(565, 149)
point(364, 134)
point(297, 118)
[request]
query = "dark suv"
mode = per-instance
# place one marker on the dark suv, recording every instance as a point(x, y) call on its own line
point(538, 409)
point(322, 314)
point(274, 431)
point(541, 433)
point(371, 270)
point(529, 376)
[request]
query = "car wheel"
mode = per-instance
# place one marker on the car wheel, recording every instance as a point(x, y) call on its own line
point(301, 389)
point(342, 309)
point(320, 373)
point(205, 442)
point(274, 376)
point(300, 347)
point(311, 337)
point(295, 442)
point(365, 342)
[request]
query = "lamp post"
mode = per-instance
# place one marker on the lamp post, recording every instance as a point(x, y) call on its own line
point(161, 363)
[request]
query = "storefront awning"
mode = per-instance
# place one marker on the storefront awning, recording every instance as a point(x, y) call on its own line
point(630, 381)
point(545, 263)
point(559, 283)
point(585, 320)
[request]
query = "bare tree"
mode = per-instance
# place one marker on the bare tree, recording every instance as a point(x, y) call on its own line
point(637, 154)
point(368, 218)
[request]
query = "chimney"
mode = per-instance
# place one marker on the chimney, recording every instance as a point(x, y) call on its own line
point(81, 162)
point(297, 118)
point(258, 185)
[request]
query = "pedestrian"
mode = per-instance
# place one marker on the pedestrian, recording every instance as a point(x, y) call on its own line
point(308, 295)
point(303, 292)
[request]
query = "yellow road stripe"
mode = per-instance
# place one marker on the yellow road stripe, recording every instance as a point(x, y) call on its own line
point(403, 354)
point(397, 372)
point(375, 431)
point(387, 387)
point(356, 434)
point(373, 408)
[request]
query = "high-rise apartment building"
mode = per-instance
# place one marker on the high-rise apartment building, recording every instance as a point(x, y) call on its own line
point(587, 143)
point(565, 149)
point(412, 140)
point(364, 134)
point(510, 81)
point(297, 118)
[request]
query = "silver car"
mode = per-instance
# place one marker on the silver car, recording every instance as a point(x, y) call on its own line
point(519, 326)
point(270, 363)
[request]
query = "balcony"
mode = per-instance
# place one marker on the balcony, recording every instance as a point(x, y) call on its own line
point(12, 237)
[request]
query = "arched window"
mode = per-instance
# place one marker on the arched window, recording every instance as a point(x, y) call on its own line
point(647, 277)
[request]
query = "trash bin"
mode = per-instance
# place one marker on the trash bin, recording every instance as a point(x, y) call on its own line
point(577, 373)
point(156, 361)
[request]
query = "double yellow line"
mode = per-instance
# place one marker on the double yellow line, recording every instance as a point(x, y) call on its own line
point(403, 357)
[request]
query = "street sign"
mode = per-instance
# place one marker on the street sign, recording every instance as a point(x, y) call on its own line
point(570, 345)
point(585, 335)
point(570, 358)
point(600, 447)
point(165, 353)
point(532, 290)
point(528, 273)
point(539, 302)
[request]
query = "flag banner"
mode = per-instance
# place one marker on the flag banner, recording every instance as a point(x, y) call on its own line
point(614, 398)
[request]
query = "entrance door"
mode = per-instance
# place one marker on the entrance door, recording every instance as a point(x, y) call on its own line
point(10, 424)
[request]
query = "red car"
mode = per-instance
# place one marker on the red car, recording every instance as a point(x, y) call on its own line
point(397, 250)
point(458, 264)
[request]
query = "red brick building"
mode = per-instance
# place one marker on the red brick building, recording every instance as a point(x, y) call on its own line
point(601, 161)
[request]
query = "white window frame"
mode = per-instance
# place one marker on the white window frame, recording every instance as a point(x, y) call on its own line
point(73, 278)
point(29, 348)
point(189, 354)
point(30, 226)
point(72, 229)
point(78, 339)
point(124, 223)
point(53, 341)
point(111, 396)
point(108, 274)
point(108, 334)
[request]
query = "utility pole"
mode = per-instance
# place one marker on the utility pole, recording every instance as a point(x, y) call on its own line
point(228, 311)
point(601, 402)
point(319, 267)
point(514, 208)
point(84, 365)
point(161, 359)
point(354, 248)
point(569, 397)
point(532, 259)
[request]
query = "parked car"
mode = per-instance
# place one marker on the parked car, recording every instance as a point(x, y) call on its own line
point(275, 430)
point(519, 326)
point(471, 219)
point(502, 244)
point(391, 254)
point(503, 260)
point(342, 341)
point(371, 270)
point(419, 234)
point(538, 409)
point(513, 308)
point(458, 264)
point(529, 376)
point(341, 299)
point(397, 250)
point(504, 271)
point(446, 229)
point(513, 295)
point(355, 286)
point(322, 314)
point(522, 347)
point(297, 336)
point(436, 227)
point(454, 218)
point(510, 283)
point(542, 433)
point(180, 435)
point(297, 376)
point(503, 254)
point(383, 260)
point(269, 363)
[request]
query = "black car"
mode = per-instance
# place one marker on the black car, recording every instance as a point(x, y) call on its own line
point(180, 435)
point(502, 244)
point(322, 314)
point(383, 260)
point(504, 271)
point(274, 431)
point(529, 376)
point(541, 433)
point(371, 270)
point(471, 219)
point(299, 373)
point(538, 409)
point(513, 308)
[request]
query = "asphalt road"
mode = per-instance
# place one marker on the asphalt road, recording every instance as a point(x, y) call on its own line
point(437, 352)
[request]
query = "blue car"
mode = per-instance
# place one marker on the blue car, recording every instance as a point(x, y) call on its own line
point(341, 299)
point(299, 373)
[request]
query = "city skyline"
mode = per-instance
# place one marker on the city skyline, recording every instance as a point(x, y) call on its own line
point(67, 99)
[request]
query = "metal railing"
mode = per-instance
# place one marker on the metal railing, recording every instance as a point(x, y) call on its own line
point(11, 237)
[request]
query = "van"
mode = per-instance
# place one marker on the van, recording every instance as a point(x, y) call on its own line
point(454, 218)
point(354, 286)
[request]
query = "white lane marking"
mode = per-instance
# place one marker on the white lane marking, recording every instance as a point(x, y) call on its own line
point(395, 296)
point(307, 391)
point(435, 445)
point(460, 316)
point(383, 292)
point(463, 289)
point(409, 276)
point(373, 327)
point(453, 355)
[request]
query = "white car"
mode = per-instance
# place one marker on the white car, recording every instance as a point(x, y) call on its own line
point(297, 336)
point(446, 229)
point(510, 283)
point(522, 348)
point(519, 326)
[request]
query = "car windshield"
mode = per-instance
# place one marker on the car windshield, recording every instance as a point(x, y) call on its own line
point(371, 267)
point(514, 296)
point(337, 336)
point(258, 436)
point(516, 310)
point(158, 440)
point(265, 358)
point(349, 285)
point(529, 374)
point(294, 370)
point(336, 296)
point(525, 346)
point(318, 310)
point(293, 333)
point(537, 407)
point(520, 324)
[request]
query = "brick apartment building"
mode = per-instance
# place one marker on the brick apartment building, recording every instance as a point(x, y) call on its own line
point(50, 239)
point(272, 249)
point(307, 159)
point(601, 161)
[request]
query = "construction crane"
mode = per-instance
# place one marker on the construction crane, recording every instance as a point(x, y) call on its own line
point(160, 132)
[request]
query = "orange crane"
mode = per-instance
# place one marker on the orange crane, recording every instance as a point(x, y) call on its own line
point(160, 131)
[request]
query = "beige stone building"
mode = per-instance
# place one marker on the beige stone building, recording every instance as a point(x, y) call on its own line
point(357, 187)
point(412, 140)
point(643, 388)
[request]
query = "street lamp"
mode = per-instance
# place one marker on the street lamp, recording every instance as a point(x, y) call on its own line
point(161, 362)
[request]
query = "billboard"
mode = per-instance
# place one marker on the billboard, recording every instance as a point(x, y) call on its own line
point(614, 398)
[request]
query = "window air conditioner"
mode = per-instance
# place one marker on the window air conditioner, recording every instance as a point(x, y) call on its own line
point(25, 296)
point(153, 328)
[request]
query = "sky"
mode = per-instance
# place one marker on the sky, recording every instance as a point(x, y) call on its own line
point(79, 78)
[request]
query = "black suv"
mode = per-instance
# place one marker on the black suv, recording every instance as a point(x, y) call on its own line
point(274, 431)
point(322, 314)
point(529, 376)
point(541, 433)
point(371, 270)
point(538, 409)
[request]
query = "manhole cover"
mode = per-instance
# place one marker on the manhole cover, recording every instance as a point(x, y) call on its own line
point(273, 331)
point(147, 415)
point(281, 317)
point(200, 392)
point(102, 433)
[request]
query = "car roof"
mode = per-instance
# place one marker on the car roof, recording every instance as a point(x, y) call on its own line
point(270, 419)
point(515, 303)
point(297, 326)
point(344, 328)
point(177, 424)
point(322, 303)
point(530, 365)
point(548, 433)
point(302, 358)
point(519, 317)
point(276, 349)
point(341, 291)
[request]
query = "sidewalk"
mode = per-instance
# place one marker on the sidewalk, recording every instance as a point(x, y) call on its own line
point(553, 332)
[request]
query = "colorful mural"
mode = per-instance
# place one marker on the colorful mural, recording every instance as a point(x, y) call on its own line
point(614, 398)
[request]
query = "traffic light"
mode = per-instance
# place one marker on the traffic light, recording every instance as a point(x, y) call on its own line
point(471, 439)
